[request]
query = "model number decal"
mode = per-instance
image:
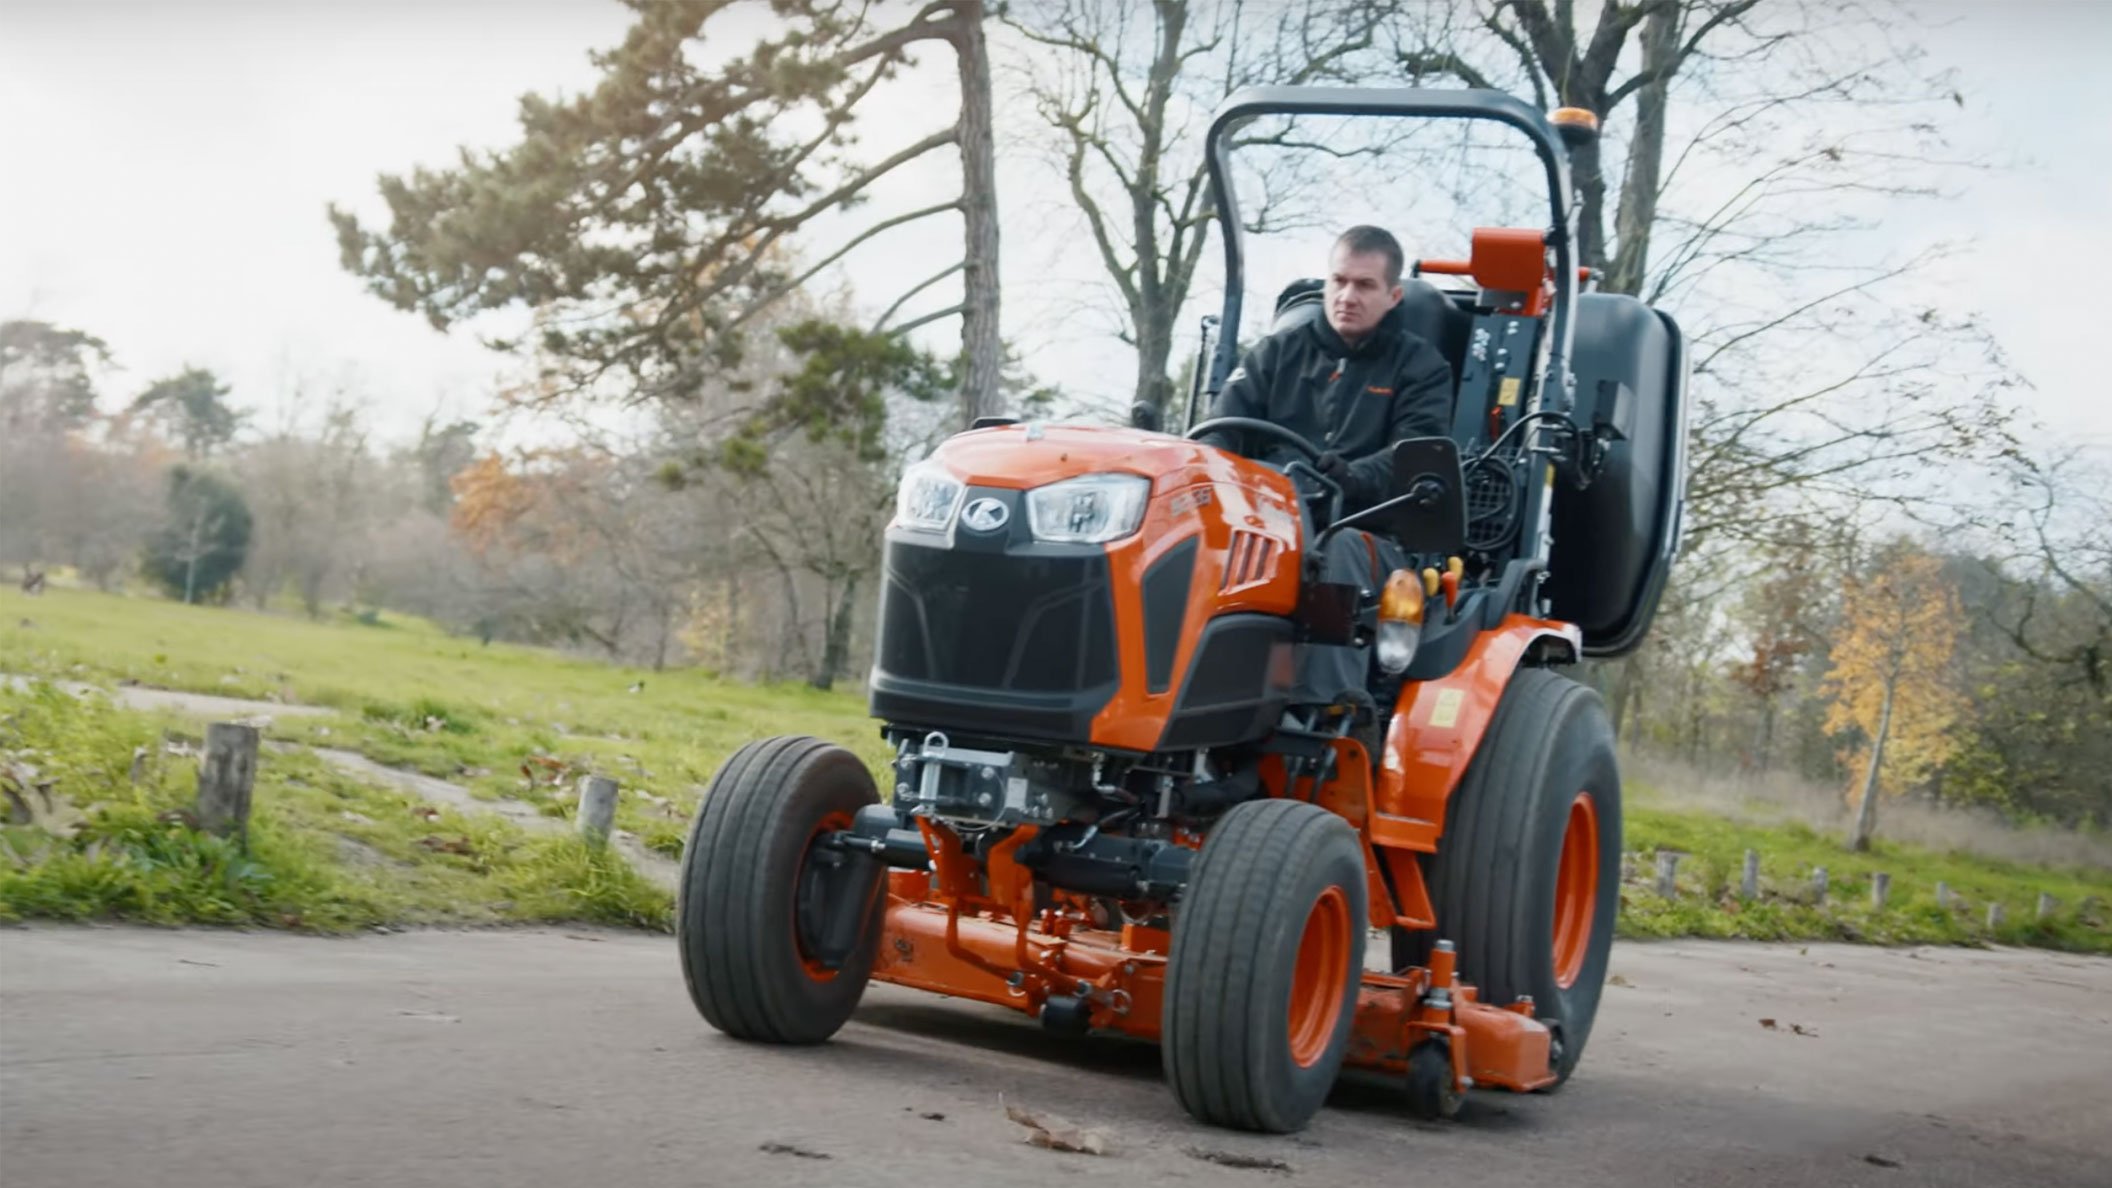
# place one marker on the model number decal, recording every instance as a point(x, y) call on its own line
point(1185, 502)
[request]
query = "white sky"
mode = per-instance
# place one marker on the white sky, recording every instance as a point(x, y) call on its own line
point(164, 169)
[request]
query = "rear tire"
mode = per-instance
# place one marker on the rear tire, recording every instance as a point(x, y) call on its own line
point(1525, 921)
point(737, 922)
point(1268, 952)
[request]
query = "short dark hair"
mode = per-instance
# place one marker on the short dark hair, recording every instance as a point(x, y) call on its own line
point(1364, 240)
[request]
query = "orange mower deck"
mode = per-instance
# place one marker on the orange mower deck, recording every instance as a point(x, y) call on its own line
point(987, 957)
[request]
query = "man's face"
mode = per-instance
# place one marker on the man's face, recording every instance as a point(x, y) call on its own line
point(1358, 293)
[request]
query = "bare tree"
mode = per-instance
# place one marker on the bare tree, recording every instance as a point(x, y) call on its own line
point(1126, 91)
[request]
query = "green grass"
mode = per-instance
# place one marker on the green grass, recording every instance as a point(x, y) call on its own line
point(324, 852)
point(1713, 850)
point(526, 722)
point(410, 695)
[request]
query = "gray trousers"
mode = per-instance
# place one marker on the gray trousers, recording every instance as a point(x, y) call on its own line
point(1333, 674)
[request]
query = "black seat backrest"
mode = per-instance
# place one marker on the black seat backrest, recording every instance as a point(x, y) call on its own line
point(1425, 311)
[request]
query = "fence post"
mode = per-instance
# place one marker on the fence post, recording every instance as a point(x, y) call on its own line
point(597, 809)
point(1667, 874)
point(1818, 884)
point(2046, 905)
point(1627, 869)
point(1994, 915)
point(225, 778)
point(1943, 894)
point(1749, 885)
point(1880, 886)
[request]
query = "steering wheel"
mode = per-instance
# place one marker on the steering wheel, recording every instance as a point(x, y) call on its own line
point(1324, 497)
point(1256, 425)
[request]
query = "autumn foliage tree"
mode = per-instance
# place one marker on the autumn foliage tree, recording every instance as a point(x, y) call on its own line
point(1892, 685)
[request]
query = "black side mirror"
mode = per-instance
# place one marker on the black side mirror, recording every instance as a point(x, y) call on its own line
point(1431, 516)
point(1145, 415)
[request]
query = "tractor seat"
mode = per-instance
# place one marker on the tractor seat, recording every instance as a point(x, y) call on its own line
point(1424, 311)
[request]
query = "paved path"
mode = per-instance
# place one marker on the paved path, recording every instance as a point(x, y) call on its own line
point(566, 1058)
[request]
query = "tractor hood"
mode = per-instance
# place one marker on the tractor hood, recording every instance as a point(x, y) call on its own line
point(1022, 457)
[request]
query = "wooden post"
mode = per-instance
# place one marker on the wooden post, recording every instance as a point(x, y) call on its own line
point(1943, 894)
point(1749, 883)
point(2046, 905)
point(1627, 869)
point(225, 778)
point(139, 764)
point(1667, 874)
point(1994, 915)
point(597, 809)
point(1880, 886)
point(1818, 884)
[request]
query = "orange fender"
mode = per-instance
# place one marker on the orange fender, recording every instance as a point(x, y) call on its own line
point(1438, 725)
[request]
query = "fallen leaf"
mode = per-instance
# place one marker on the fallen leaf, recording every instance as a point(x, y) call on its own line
point(1055, 1133)
point(1880, 1161)
point(1800, 1029)
point(1618, 980)
point(789, 1149)
point(447, 845)
point(1248, 1162)
point(933, 1117)
point(430, 1016)
point(1769, 1024)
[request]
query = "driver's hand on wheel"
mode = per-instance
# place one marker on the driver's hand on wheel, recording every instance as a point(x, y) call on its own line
point(1335, 467)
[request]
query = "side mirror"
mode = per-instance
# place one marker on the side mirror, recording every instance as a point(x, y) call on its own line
point(1145, 415)
point(1431, 489)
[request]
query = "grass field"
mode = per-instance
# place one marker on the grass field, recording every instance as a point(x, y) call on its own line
point(524, 723)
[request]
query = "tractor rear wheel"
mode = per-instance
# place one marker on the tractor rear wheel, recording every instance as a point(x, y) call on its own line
point(1526, 879)
point(1268, 952)
point(776, 930)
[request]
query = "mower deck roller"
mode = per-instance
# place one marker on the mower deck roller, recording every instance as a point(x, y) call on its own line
point(1112, 804)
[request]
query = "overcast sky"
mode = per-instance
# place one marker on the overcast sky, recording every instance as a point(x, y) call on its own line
point(166, 168)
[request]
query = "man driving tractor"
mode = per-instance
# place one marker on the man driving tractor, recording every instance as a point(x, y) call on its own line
point(1353, 386)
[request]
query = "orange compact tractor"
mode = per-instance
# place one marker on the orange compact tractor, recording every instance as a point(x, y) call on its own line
point(1109, 809)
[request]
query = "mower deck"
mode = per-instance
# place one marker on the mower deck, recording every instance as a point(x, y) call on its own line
point(1057, 967)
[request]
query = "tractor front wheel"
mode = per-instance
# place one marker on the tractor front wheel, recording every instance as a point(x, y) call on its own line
point(1268, 952)
point(776, 930)
point(1526, 879)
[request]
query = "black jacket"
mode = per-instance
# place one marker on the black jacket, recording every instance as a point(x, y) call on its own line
point(1353, 401)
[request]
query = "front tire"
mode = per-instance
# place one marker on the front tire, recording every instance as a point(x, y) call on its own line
point(745, 912)
point(1268, 952)
point(1526, 879)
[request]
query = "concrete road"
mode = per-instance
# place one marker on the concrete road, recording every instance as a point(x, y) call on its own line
point(570, 1058)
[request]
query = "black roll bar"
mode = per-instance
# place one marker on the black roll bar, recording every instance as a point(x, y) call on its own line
point(1397, 102)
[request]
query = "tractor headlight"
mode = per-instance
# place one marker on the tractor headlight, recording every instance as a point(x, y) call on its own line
point(927, 498)
point(1092, 509)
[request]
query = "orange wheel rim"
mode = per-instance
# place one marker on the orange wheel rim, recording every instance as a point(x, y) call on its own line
point(1576, 889)
point(1322, 977)
point(829, 824)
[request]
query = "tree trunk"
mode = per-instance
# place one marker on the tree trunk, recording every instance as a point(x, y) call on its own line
point(190, 563)
point(982, 348)
point(1154, 352)
point(1766, 749)
point(836, 650)
point(1646, 152)
point(1866, 810)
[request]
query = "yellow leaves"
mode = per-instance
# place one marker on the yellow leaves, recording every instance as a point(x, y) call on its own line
point(1893, 688)
point(488, 499)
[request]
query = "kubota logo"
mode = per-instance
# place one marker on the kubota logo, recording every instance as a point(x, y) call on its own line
point(985, 514)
